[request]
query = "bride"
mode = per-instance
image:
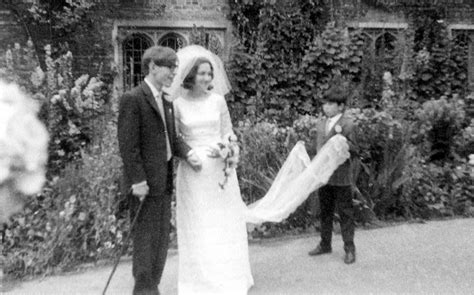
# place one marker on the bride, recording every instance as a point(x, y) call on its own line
point(211, 219)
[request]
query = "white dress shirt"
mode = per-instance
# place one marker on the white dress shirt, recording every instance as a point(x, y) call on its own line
point(331, 122)
point(159, 101)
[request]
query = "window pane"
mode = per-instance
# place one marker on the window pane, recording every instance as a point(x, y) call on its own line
point(173, 41)
point(133, 49)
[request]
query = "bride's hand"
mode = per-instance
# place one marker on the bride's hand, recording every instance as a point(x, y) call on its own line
point(213, 151)
point(194, 161)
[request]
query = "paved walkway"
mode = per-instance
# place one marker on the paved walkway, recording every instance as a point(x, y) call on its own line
point(432, 258)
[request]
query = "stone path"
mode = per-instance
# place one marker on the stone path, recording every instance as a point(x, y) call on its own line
point(432, 258)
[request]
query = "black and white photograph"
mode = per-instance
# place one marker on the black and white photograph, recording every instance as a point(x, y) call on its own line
point(236, 147)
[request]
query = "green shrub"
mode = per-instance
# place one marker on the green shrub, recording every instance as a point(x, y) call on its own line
point(335, 52)
point(384, 151)
point(265, 69)
point(74, 220)
point(464, 141)
point(70, 107)
point(437, 190)
point(440, 64)
point(439, 122)
point(263, 152)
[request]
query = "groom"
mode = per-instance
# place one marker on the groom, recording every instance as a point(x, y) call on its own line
point(338, 191)
point(147, 141)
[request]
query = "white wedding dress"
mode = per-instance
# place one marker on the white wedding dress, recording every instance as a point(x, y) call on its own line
point(211, 222)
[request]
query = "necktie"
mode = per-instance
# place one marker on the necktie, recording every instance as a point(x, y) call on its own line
point(159, 102)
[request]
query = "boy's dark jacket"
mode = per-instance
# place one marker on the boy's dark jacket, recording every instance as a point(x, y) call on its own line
point(343, 174)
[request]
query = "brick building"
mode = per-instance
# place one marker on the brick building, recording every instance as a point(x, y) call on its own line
point(147, 24)
point(386, 27)
point(180, 23)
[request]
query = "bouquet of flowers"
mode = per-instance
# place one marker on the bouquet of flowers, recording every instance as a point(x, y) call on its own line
point(229, 151)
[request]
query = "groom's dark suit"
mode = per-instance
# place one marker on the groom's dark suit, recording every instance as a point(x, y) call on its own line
point(143, 147)
point(338, 191)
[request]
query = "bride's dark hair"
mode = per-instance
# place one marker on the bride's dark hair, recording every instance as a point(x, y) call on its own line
point(190, 79)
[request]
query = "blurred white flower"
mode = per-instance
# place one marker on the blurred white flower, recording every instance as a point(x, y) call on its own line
point(47, 47)
point(92, 87)
point(82, 216)
point(81, 81)
point(62, 93)
point(37, 77)
point(31, 182)
point(423, 56)
point(23, 146)
point(60, 79)
point(76, 92)
point(55, 99)
point(73, 130)
point(72, 199)
point(387, 78)
point(111, 218)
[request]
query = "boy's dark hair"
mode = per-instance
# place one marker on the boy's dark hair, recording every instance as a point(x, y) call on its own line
point(160, 56)
point(338, 92)
point(190, 78)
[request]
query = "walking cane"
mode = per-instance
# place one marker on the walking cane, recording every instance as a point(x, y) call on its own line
point(124, 246)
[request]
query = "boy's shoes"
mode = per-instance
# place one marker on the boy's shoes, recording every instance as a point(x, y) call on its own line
point(350, 257)
point(320, 250)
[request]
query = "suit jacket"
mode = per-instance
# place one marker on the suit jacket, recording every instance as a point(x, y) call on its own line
point(142, 139)
point(343, 174)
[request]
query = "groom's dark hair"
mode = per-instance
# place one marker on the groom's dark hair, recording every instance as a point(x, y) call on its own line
point(160, 56)
point(190, 78)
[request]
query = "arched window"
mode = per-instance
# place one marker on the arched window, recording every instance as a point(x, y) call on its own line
point(173, 40)
point(385, 45)
point(203, 37)
point(133, 48)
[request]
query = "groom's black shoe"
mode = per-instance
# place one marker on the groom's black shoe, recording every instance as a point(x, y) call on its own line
point(350, 257)
point(320, 250)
